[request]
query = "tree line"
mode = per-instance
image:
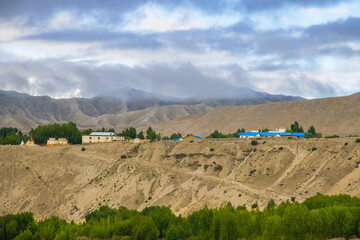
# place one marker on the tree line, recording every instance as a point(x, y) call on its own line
point(12, 136)
point(68, 130)
point(318, 217)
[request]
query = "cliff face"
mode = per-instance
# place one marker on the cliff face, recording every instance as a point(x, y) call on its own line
point(68, 182)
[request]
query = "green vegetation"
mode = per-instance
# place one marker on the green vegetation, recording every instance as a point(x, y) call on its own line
point(140, 135)
point(83, 149)
point(175, 135)
point(217, 134)
point(295, 127)
point(254, 142)
point(129, 132)
point(67, 130)
point(11, 136)
point(151, 134)
point(332, 136)
point(318, 217)
point(357, 140)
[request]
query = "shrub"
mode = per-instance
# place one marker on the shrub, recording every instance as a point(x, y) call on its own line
point(281, 148)
point(346, 143)
point(314, 149)
point(123, 156)
point(83, 149)
point(255, 205)
point(357, 140)
point(191, 141)
point(254, 142)
point(212, 149)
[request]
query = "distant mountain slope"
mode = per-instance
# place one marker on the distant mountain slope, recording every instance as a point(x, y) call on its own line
point(337, 115)
point(119, 108)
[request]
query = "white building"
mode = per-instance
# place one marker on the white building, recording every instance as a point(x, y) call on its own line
point(101, 137)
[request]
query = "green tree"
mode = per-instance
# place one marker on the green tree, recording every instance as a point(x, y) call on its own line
point(175, 232)
point(273, 228)
point(146, 230)
point(141, 135)
point(151, 134)
point(25, 235)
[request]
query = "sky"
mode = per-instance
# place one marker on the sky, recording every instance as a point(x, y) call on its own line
point(84, 48)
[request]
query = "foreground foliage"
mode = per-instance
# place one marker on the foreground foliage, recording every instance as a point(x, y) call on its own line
point(319, 217)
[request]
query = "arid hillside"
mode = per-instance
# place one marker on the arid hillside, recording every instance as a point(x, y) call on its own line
point(338, 115)
point(68, 182)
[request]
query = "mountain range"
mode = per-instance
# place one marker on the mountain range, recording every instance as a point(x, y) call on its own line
point(118, 108)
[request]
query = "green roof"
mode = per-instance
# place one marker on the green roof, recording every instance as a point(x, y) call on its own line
point(103, 134)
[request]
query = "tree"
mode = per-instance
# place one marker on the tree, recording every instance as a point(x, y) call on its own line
point(175, 233)
point(141, 135)
point(175, 136)
point(273, 228)
point(295, 127)
point(146, 230)
point(312, 129)
point(151, 134)
point(25, 235)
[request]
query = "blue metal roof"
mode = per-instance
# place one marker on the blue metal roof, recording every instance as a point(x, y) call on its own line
point(176, 139)
point(272, 134)
point(198, 137)
point(268, 134)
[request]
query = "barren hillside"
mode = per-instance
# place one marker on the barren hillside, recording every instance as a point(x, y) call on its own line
point(338, 115)
point(68, 182)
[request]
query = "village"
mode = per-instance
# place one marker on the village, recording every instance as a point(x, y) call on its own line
point(110, 137)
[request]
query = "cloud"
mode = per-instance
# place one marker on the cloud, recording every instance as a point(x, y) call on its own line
point(121, 40)
point(307, 42)
point(62, 79)
point(262, 5)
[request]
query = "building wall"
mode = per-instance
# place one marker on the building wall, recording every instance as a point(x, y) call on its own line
point(96, 139)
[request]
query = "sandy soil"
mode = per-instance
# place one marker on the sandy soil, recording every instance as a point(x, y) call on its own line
point(68, 182)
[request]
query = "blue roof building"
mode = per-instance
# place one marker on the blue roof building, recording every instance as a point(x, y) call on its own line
point(272, 134)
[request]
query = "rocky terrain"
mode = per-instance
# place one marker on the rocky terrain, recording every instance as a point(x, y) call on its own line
point(117, 109)
point(68, 182)
point(337, 115)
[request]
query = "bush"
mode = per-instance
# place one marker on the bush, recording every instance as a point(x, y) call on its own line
point(123, 156)
point(255, 205)
point(357, 140)
point(314, 149)
point(83, 149)
point(212, 149)
point(346, 143)
point(254, 142)
point(281, 148)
